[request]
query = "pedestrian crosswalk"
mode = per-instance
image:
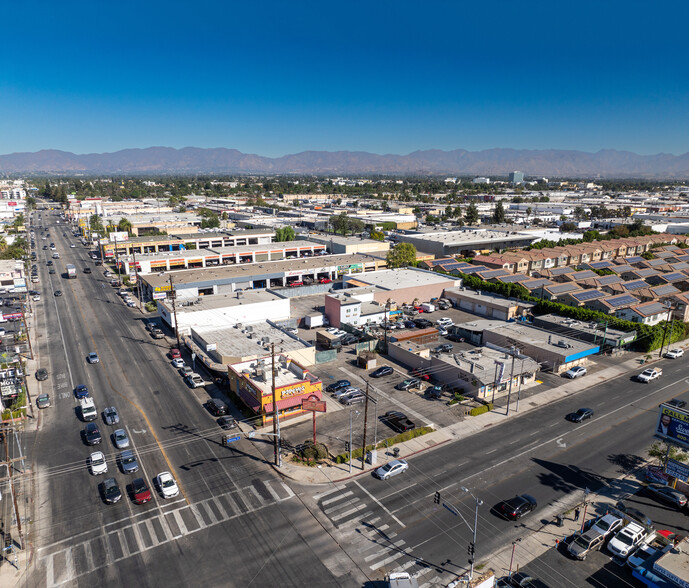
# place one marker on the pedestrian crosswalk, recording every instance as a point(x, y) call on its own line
point(375, 536)
point(64, 563)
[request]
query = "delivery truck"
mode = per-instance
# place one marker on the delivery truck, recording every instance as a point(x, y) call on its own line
point(71, 271)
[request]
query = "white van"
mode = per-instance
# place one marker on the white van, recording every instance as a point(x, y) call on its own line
point(88, 409)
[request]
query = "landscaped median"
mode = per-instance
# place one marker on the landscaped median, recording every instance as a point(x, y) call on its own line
point(311, 455)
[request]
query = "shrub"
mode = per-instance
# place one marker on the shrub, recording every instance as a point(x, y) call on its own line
point(406, 436)
point(151, 306)
point(481, 409)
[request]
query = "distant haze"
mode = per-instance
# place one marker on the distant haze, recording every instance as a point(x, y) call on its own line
point(496, 162)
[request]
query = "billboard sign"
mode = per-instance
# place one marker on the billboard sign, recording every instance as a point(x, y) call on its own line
point(119, 236)
point(159, 295)
point(678, 470)
point(673, 426)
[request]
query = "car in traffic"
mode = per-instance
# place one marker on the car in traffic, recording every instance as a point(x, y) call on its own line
point(141, 494)
point(580, 415)
point(167, 485)
point(674, 353)
point(384, 370)
point(97, 463)
point(667, 495)
point(676, 403)
point(576, 372)
point(649, 375)
point(81, 391)
point(111, 491)
point(57, 292)
point(515, 508)
point(390, 469)
point(43, 401)
point(128, 462)
point(92, 434)
point(120, 439)
point(111, 416)
point(408, 384)
point(93, 357)
point(41, 374)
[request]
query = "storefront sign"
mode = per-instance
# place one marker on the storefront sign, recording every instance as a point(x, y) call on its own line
point(678, 470)
point(315, 405)
point(159, 295)
point(291, 391)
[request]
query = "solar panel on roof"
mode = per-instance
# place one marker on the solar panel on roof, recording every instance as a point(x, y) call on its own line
point(587, 295)
point(600, 264)
point(474, 269)
point(666, 289)
point(610, 280)
point(455, 265)
point(636, 259)
point(674, 276)
point(621, 300)
point(637, 285)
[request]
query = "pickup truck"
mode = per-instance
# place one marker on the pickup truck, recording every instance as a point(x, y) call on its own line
point(650, 374)
point(156, 333)
point(195, 381)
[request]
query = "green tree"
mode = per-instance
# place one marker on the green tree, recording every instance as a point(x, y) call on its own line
point(96, 224)
point(339, 223)
point(471, 214)
point(377, 235)
point(499, 213)
point(401, 255)
point(355, 225)
point(284, 234)
point(124, 226)
point(210, 222)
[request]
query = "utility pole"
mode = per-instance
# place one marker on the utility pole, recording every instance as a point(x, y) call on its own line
point(117, 262)
point(275, 409)
point(173, 296)
point(8, 463)
point(363, 444)
point(509, 392)
point(138, 283)
point(662, 344)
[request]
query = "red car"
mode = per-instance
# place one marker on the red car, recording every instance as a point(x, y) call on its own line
point(324, 281)
point(293, 284)
point(140, 491)
point(175, 353)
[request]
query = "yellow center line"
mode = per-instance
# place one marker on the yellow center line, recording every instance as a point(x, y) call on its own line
point(134, 404)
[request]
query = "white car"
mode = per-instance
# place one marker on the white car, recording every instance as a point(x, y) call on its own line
point(178, 363)
point(168, 486)
point(444, 322)
point(72, 246)
point(36, 297)
point(97, 463)
point(627, 540)
point(674, 353)
point(575, 372)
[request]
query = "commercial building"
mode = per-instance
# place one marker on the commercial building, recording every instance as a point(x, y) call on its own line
point(355, 307)
point(403, 285)
point(597, 333)
point(147, 263)
point(258, 276)
point(516, 178)
point(463, 242)
point(486, 304)
point(252, 382)
point(349, 245)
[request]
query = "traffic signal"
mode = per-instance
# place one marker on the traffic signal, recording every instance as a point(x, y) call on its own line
point(436, 498)
point(470, 550)
point(347, 446)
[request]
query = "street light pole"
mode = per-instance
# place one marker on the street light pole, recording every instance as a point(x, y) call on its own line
point(514, 546)
point(472, 547)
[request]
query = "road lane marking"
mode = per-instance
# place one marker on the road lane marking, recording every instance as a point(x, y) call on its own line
point(380, 504)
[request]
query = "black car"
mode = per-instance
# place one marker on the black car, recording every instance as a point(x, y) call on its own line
point(334, 387)
point(92, 434)
point(217, 407)
point(398, 421)
point(423, 323)
point(384, 370)
point(455, 337)
point(676, 403)
point(41, 374)
point(410, 324)
point(580, 415)
point(444, 348)
point(227, 422)
point(57, 292)
point(111, 491)
point(49, 262)
point(515, 508)
point(435, 391)
point(87, 270)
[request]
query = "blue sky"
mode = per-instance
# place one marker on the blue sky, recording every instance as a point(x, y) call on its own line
point(279, 77)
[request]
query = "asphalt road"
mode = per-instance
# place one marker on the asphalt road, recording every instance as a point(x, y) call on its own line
point(234, 523)
point(397, 525)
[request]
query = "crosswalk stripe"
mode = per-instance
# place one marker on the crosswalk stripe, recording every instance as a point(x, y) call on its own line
point(193, 508)
point(209, 511)
point(317, 497)
point(339, 497)
point(344, 514)
point(256, 493)
point(387, 560)
point(123, 543)
point(50, 571)
point(221, 509)
point(334, 509)
point(152, 532)
point(397, 544)
point(287, 489)
point(88, 555)
point(180, 522)
point(355, 520)
point(271, 490)
point(137, 537)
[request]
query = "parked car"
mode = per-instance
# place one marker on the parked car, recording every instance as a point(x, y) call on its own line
point(515, 508)
point(120, 439)
point(627, 540)
point(185, 371)
point(384, 370)
point(435, 392)
point(178, 363)
point(343, 393)
point(97, 463)
point(140, 491)
point(217, 407)
point(674, 353)
point(195, 381)
point(128, 462)
point(667, 495)
point(584, 544)
point(580, 415)
point(337, 385)
point(575, 372)
point(167, 485)
point(111, 416)
point(43, 401)
point(390, 469)
point(455, 337)
point(227, 422)
point(41, 374)
point(174, 353)
point(355, 398)
point(398, 421)
point(634, 513)
point(111, 491)
point(608, 524)
point(408, 384)
point(443, 348)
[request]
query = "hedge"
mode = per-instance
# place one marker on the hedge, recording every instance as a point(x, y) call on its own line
point(406, 436)
point(477, 410)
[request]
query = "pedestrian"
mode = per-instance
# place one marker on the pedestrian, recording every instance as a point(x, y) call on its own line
point(576, 513)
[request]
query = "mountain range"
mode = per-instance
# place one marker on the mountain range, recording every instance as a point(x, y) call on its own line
point(608, 163)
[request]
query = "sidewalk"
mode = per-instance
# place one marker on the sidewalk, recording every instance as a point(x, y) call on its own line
point(469, 426)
